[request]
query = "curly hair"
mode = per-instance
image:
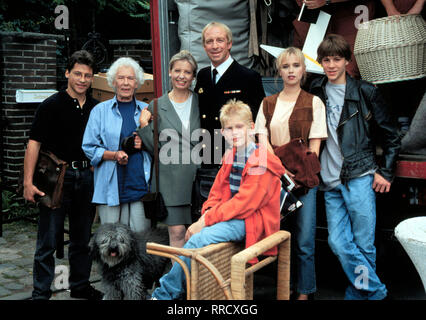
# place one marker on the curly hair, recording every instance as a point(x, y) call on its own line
point(125, 62)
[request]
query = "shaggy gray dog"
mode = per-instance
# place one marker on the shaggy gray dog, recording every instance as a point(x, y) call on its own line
point(127, 270)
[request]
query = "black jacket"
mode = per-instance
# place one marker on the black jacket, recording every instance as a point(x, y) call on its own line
point(237, 82)
point(363, 105)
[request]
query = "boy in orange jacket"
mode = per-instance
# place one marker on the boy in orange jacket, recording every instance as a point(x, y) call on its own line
point(244, 201)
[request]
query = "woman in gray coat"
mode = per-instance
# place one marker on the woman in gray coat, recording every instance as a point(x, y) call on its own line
point(178, 125)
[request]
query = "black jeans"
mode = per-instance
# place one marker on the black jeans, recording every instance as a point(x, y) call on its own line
point(78, 191)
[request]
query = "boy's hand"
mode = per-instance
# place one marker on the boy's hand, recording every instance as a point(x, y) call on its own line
point(380, 184)
point(195, 228)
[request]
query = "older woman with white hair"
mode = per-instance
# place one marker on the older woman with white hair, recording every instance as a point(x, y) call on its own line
point(121, 172)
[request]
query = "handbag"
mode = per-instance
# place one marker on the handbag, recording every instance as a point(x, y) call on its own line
point(128, 145)
point(49, 174)
point(153, 202)
point(299, 160)
point(204, 179)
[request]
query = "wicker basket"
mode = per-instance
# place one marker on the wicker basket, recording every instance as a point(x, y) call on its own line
point(391, 49)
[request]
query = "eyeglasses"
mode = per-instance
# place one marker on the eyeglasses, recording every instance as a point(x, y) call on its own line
point(129, 78)
point(80, 75)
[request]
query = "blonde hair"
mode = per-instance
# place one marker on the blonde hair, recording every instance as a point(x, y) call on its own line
point(217, 24)
point(184, 55)
point(286, 53)
point(237, 108)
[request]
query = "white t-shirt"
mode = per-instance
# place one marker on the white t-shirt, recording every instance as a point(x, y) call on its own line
point(183, 110)
point(280, 132)
point(331, 158)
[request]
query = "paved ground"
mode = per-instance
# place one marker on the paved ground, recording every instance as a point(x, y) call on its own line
point(17, 247)
point(18, 243)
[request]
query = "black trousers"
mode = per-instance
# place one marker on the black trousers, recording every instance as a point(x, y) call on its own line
point(76, 203)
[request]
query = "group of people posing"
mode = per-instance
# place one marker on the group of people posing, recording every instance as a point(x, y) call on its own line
point(334, 119)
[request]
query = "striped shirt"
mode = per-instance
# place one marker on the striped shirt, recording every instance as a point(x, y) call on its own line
point(240, 160)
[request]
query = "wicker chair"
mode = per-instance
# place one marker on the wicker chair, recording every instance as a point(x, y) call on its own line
point(220, 271)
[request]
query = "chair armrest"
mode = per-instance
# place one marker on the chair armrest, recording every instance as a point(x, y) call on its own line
point(239, 262)
point(195, 254)
point(168, 249)
point(260, 247)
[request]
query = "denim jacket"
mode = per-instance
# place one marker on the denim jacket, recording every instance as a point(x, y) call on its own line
point(103, 133)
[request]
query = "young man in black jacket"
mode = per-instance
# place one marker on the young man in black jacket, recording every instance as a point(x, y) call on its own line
point(349, 171)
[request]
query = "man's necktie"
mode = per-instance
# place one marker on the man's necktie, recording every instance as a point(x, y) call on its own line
point(214, 76)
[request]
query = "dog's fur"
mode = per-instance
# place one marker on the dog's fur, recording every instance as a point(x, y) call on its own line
point(127, 270)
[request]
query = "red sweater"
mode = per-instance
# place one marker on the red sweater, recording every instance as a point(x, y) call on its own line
point(257, 201)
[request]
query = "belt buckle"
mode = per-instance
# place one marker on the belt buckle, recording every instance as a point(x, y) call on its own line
point(73, 165)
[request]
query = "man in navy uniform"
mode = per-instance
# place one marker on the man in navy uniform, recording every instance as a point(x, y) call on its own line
point(225, 79)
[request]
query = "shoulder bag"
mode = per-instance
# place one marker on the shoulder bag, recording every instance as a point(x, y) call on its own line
point(49, 174)
point(153, 202)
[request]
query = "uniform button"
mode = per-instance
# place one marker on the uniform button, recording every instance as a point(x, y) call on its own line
point(204, 146)
point(217, 148)
point(204, 116)
point(203, 131)
point(216, 132)
point(216, 118)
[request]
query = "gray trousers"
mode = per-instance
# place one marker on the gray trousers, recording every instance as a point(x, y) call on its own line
point(131, 214)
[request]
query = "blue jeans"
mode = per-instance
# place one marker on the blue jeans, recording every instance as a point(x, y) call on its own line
point(76, 203)
point(303, 235)
point(351, 219)
point(172, 283)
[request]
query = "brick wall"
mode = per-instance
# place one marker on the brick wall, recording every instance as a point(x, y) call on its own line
point(27, 61)
point(138, 49)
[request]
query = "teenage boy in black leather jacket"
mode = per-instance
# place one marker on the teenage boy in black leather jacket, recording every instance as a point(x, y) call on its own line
point(350, 174)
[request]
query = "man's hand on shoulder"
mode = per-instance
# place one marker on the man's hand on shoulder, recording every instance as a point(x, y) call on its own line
point(380, 184)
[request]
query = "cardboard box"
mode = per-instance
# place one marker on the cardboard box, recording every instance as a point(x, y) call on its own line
point(102, 91)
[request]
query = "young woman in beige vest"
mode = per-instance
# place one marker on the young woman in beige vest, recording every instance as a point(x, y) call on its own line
point(289, 114)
